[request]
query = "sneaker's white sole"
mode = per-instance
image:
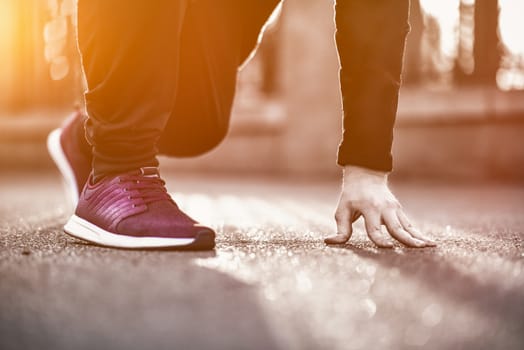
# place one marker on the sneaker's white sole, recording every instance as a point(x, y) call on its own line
point(80, 228)
point(57, 153)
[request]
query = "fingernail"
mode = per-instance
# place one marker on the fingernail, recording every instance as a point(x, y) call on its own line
point(385, 244)
point(420, 243)
point(337, 239)
point(427, 240)
point(431, 242)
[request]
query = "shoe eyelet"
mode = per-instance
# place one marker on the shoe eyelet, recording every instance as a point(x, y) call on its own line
point(137, 181)
point(129, 197)
point(133, 206)
point(125, 189)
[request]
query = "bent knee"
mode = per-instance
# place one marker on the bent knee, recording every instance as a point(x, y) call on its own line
point(192, 143)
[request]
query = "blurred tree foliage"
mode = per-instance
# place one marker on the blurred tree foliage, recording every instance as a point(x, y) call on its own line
point(486, 48)
point(478, 55)
point(479, 50)
point(41, 63)
point(44, 69)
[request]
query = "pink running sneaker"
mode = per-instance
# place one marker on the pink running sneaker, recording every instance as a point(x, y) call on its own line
point(72, 154)
point(134, 211)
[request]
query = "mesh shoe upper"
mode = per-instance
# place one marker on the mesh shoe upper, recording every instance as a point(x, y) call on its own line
point(135, 204)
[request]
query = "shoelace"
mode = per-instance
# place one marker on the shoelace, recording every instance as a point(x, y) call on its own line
point(145, 189)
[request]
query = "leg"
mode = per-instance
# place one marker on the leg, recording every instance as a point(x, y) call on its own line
point(200, 118)
point(130, 54)
point(216, 38)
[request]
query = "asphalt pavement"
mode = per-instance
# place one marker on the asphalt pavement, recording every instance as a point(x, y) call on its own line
point(271, 282)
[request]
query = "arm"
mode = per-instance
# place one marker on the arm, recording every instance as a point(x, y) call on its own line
point(370, 40)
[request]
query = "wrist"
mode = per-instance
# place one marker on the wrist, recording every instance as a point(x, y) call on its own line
point(354, 173)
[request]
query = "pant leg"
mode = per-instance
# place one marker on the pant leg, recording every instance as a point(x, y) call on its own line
point(129, 52)
point(217, 36)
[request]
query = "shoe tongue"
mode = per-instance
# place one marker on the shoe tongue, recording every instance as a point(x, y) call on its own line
point(149, 171)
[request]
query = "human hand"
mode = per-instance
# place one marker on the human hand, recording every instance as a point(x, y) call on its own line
point(365, 193)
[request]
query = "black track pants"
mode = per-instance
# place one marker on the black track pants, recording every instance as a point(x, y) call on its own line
point(161, 75)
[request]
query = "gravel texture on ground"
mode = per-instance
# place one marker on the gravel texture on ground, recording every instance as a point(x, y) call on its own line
point(271, 282)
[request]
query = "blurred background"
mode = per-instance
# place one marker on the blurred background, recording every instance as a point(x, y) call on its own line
point(461, 113)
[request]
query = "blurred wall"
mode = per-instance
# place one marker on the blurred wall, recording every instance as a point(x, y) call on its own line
point(287, 124)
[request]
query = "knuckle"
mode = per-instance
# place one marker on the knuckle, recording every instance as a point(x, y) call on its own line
point(397, 228)
point(371, 206)
point(391, 204)
point(351, 203)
